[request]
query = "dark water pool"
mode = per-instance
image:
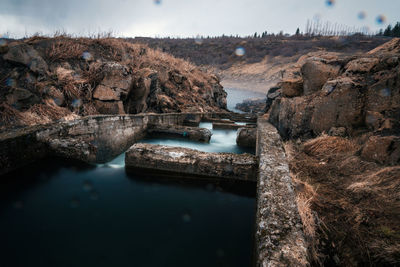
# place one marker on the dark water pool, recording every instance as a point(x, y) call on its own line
point(61, 213)
point(57, 213)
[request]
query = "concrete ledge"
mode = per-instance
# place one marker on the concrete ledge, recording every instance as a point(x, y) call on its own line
point(192, 163)
point(192, 133)
point(279, 235)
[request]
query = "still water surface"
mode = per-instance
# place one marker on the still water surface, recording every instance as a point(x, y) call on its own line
point(61, 213)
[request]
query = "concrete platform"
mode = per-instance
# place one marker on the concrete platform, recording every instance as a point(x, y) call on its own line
point(191, 163)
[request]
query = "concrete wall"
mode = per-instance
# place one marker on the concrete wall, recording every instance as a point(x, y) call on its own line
point(279, 235)
point(190, 163)
point(89, 139)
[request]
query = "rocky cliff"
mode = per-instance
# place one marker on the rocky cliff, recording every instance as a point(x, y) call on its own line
point(46, 79)
point(342, 95)
point(340, 115)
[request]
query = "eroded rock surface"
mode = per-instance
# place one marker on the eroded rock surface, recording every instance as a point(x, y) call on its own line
point(246, 137)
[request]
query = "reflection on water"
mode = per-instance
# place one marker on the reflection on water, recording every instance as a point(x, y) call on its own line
point(238, 95)
point(57, 213)
point(221, 141)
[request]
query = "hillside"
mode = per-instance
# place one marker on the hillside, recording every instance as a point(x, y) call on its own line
point(264, 59)
point(47, 79)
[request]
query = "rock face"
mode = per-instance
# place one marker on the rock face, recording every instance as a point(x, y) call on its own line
point(253, 105)
point(349, 93)
point(246, 137)
point(382, 149)
point(191, 163)
point(26, 55)
point(106, 76)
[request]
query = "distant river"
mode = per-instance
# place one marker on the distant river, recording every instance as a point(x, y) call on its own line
point(236, 95)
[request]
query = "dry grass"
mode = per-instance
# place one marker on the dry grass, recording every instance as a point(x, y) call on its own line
point(350, 208)
point(65, 49)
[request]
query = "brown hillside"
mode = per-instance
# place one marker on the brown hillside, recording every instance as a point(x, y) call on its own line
point(46, 79)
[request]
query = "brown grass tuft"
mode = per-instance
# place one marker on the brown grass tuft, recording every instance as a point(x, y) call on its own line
point(325, 144)
point(65, 49)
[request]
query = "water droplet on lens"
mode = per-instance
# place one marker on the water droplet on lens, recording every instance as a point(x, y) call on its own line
point(87, 56)
point(157, 2)
point(210, 187)
point(362, 15)
point(186, 217)
point(74, 203)
point(87, 185)
point(94, 195)
point(11, 82)
point(76, 103)
point(240, 51)
point(198, 40)
point(3, 42)
point(18, 204)
point(58, 101)
point(385, 92)
point(330, 3)
point(381, 19)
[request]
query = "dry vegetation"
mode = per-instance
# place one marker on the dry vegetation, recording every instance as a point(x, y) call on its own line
point(78, 65)
point(350, 208)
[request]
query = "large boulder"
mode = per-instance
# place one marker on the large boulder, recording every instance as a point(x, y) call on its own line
point(382, 149)
point(273, 93)
point(26, 55)
point(291, 87)
point(361, 65)
point(340, 104)
point(21, 98)
point(246, 137)
point(316, 72)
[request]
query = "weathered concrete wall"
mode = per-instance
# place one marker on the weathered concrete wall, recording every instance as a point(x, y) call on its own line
point(279, 236)
point(94, 139)
point(90, 139)
point(19, 148)
point(191, 163)
point(192, 133)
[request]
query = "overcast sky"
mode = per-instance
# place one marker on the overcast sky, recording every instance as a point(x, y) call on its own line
point(186, 18)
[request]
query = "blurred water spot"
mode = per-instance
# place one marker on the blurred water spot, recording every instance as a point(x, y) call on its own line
point(362, 15)
point(220, 253)
point(94, 195)
point(330, 3)
point(18, 204)
point(76, 103)
point(157, 2)
point(198, 40)
point(87, 185)
point(3, 42)
point(186, 217)
point(74, 203)
point(87, 56)
point(240, 51)
point(381, 19)
point(11, 82)
point(210, 187)
point(385, 92)
point(58, 101)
